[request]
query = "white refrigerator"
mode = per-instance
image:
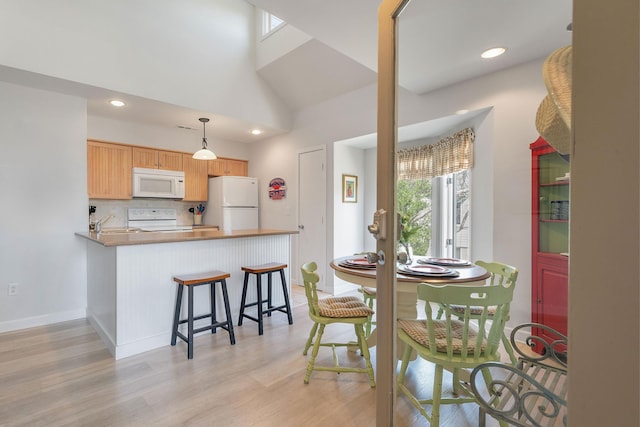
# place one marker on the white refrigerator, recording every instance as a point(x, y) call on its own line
point(232, 203)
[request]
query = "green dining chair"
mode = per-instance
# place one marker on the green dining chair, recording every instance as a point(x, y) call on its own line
point(454, 342)
point(502, 275)
point(330, 310)
point(369, 296)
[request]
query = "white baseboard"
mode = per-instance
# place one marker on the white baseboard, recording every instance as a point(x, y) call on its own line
point(146, 344)
point(128, 349)
point(106, 338)
point(45, 319)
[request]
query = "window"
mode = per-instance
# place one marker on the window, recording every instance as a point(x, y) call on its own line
point(454, 221)
point(436, 215)
point(434, 183)
point(270, 23)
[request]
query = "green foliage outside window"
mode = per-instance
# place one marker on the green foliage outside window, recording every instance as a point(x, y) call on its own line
point(414, 206)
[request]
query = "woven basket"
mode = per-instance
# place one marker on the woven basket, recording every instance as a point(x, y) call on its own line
point(553, 119)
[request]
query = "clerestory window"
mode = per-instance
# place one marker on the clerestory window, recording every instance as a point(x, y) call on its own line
point(270, 24)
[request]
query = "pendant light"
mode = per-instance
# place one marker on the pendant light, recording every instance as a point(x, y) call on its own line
point(204, 153)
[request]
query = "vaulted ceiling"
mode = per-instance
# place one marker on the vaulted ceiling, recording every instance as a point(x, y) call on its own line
point(440, 40)
point(440, 45)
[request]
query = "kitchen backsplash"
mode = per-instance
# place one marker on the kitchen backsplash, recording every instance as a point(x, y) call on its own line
point(118, 208)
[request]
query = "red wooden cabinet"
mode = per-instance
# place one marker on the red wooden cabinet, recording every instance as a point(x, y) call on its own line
point(550, 237)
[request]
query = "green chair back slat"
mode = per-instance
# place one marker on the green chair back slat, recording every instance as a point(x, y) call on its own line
point(472, 336)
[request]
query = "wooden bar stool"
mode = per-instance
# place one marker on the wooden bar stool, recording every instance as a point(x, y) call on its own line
point(259, 270)
point(191, 281)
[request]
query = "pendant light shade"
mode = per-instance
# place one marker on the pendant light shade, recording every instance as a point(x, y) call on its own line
point(204, 153)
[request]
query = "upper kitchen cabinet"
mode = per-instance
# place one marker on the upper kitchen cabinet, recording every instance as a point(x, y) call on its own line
point(108, 170)
point(157, 159)
point(228, 167)
point(196, 179)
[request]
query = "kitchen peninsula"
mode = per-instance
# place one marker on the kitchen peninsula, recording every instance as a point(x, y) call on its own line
point(130, 288)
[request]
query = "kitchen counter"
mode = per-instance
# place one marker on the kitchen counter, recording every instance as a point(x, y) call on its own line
point(146, 237)
point(130, 288)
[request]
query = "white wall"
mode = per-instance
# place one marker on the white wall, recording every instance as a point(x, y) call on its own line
point(44, 201)
point(514, 95)
point(506, 134)
point(370, 195)
point(194, 53)
point(349, 218)
point(320, 125)
point(170, 138)
point(482, 185)
point(45, 198)
point(285, 39)
point(504, 215)
point(482, 191)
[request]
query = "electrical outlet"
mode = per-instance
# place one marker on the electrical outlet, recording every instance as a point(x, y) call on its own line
point(12, 289)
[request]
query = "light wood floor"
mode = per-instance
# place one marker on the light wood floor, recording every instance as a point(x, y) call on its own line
point(62, 375)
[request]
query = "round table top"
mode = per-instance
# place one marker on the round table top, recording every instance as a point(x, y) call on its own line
point(472, 273)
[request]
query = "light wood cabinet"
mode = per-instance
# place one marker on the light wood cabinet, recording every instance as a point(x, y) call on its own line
point(228, 167)
point(196, 180)
point(108, 170)
point(157, 159)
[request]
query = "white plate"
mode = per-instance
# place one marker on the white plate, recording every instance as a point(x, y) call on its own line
point(428, 270)
point(451, 262)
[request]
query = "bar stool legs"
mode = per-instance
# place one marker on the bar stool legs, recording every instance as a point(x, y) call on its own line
point(259, 270)
point(211, 278)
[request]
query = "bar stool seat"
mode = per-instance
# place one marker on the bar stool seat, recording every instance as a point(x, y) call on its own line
point(191, 281)
point(259, 270)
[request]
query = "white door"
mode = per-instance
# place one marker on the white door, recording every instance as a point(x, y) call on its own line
point(311, 207)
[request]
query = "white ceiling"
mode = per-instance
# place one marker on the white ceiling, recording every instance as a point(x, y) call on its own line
point(440, 45)
point(440, 42)
point(419, 131)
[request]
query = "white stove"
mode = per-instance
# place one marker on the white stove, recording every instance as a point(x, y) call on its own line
point(155, 219)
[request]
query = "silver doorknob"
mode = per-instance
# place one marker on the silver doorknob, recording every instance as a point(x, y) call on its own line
point(373, 257)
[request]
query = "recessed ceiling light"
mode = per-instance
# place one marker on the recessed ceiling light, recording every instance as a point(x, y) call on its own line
point(493, 52)
point(461, 112)
point(256, 131)
point(117, 103)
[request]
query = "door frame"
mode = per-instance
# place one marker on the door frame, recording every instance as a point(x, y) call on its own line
point(387, 119)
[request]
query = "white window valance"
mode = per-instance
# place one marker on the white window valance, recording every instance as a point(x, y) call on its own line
point(449, 155)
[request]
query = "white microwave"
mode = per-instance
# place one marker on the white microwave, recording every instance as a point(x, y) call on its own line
point(158, 183)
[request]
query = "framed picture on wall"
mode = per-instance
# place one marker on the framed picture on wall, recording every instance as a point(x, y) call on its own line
point(349, 188)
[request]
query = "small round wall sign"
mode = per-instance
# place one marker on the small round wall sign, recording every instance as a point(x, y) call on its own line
point(277, 189)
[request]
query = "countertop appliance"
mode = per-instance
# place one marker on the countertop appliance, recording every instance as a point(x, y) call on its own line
point(233, 203)
point(158, 183)
point(155, 219)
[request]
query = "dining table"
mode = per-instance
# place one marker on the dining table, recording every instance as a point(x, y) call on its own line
point(357, 270)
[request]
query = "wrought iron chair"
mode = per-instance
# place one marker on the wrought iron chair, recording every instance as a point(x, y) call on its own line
point(325, 311)
point(531, 393)
point(454, 343)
